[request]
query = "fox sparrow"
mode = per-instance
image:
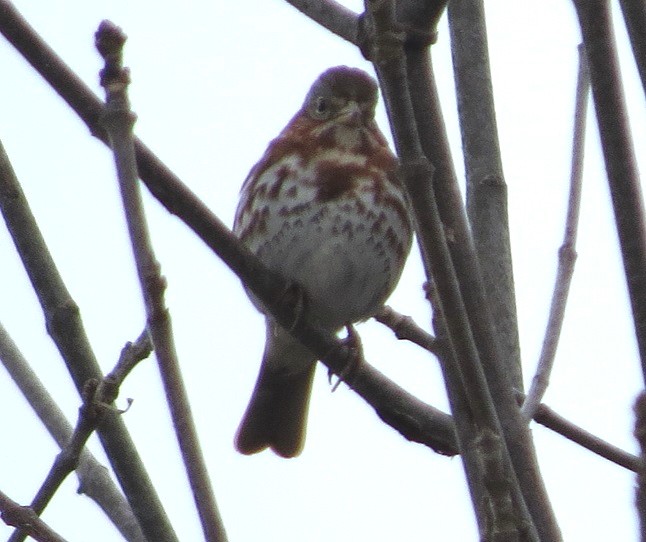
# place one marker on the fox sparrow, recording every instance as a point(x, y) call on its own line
point(325, 209)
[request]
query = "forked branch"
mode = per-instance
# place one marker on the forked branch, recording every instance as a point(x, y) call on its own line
point(458, 285)
point(66, 328)
point(405, 328)
point(94, 478)
point(97, 400)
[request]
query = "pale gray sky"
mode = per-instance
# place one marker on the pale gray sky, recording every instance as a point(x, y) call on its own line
point(213, 82)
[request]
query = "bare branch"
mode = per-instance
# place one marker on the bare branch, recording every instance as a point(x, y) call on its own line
point(94, 478)
point(434, 139)
point(97, 400)
point(502, 524)
point(405, 328)
point(486, 193)
point(23, 517)
point(66, 329)
point(619, 155)
point(640, 434)
point(387, 54)
point(634, 12)
point(567, 252)
point(131, 355)
point(331, 15)
point(544, 414)
point(550, 419)
point(118, 121)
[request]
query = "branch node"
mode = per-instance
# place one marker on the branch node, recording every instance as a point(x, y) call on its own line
point(567, 253)
point(381, 39)
point(394, 36)
point(417, 169)
point(405, 328)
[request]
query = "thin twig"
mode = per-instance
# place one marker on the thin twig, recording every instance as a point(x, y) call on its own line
point(567, 252)
point(616, 142)
point(131, 355)
point(64, 324)
point(405, 328)
point(94, 479)
point(331, 15)
point(118, 121)
point(23, 517)
point(98, 400)
point(544, 414)
point(550, 419)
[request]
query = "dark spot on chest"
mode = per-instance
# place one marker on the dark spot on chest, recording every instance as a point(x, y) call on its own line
point(281, 174)
point(297, 209)
point(256, 225)
point(335, 180)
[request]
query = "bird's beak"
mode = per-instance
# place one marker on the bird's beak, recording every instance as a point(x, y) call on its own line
point(351, 114)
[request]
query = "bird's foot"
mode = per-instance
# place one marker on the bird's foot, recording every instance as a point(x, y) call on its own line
point(355, 357)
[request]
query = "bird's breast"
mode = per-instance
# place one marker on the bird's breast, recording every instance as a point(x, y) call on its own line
point(337, 225)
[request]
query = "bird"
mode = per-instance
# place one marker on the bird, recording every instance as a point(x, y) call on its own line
point(325, 209)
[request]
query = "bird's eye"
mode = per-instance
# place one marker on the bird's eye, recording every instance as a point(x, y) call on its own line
point(322, 106)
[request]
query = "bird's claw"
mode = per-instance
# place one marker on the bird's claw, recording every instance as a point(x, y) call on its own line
point(355, 357)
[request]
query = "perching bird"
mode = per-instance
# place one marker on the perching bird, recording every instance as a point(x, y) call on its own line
point(324, 208)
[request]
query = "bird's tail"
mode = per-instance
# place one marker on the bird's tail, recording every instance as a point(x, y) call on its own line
point(276, 417)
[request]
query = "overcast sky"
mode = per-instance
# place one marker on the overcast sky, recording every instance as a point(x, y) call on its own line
point(212, 83)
